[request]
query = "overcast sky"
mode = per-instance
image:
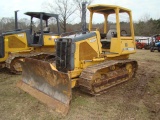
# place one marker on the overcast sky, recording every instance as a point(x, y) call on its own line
point(139, 8)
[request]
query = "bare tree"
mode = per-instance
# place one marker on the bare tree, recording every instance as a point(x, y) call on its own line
point(145, 17)
point(65, 9)
point(7, 24)
point(24, 23)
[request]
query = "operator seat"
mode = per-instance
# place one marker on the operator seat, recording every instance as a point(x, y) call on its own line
point(107, 41)
point(111, 33)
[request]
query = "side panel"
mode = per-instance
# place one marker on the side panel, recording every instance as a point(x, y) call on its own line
point(125, 45)
point(1, 47)
point(49, 39)
point(115, 45)
point(87, 52)
point(25, 34)
point(128, 46)
point(17, 40)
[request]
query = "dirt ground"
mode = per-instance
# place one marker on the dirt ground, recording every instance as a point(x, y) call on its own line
point(137, 99)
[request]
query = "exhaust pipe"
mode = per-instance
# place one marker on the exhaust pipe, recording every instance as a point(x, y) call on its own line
point(83, 20)
point(16, 19)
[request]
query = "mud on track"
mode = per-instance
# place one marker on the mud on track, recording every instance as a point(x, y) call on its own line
point(137, 99)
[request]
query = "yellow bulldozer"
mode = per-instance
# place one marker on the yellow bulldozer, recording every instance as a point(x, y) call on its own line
point(90, 60)
point(18, 44)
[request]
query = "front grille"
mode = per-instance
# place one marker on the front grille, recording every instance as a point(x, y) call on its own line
point(64, 54)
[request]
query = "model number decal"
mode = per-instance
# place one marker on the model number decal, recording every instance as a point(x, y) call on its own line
point(129, 49)
point(93, 40)
point(21, 35)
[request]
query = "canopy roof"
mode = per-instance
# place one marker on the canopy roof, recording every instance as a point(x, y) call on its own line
point(46, 16)
point(106, 9)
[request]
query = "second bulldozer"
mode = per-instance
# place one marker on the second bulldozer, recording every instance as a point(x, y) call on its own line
point(18, 44)
point(90, 60)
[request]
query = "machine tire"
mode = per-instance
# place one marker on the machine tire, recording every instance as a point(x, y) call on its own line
point(139, 46)
point(146, 47)
point(152, 49)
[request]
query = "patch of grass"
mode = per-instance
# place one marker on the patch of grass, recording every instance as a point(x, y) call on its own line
point(80, 101)
point(154, 86)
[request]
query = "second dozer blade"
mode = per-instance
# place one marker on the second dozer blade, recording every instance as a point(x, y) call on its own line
point(42, 81)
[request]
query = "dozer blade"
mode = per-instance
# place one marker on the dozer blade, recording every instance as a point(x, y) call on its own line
point(41, 80)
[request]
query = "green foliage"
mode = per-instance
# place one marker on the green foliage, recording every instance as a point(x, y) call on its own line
point(147, 28)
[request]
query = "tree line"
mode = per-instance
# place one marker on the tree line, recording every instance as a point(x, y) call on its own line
point(147, 27)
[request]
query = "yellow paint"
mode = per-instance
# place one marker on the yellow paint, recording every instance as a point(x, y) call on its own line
point(74, 82)
point(105, 23)
point(98, 59)
point(49, 40)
